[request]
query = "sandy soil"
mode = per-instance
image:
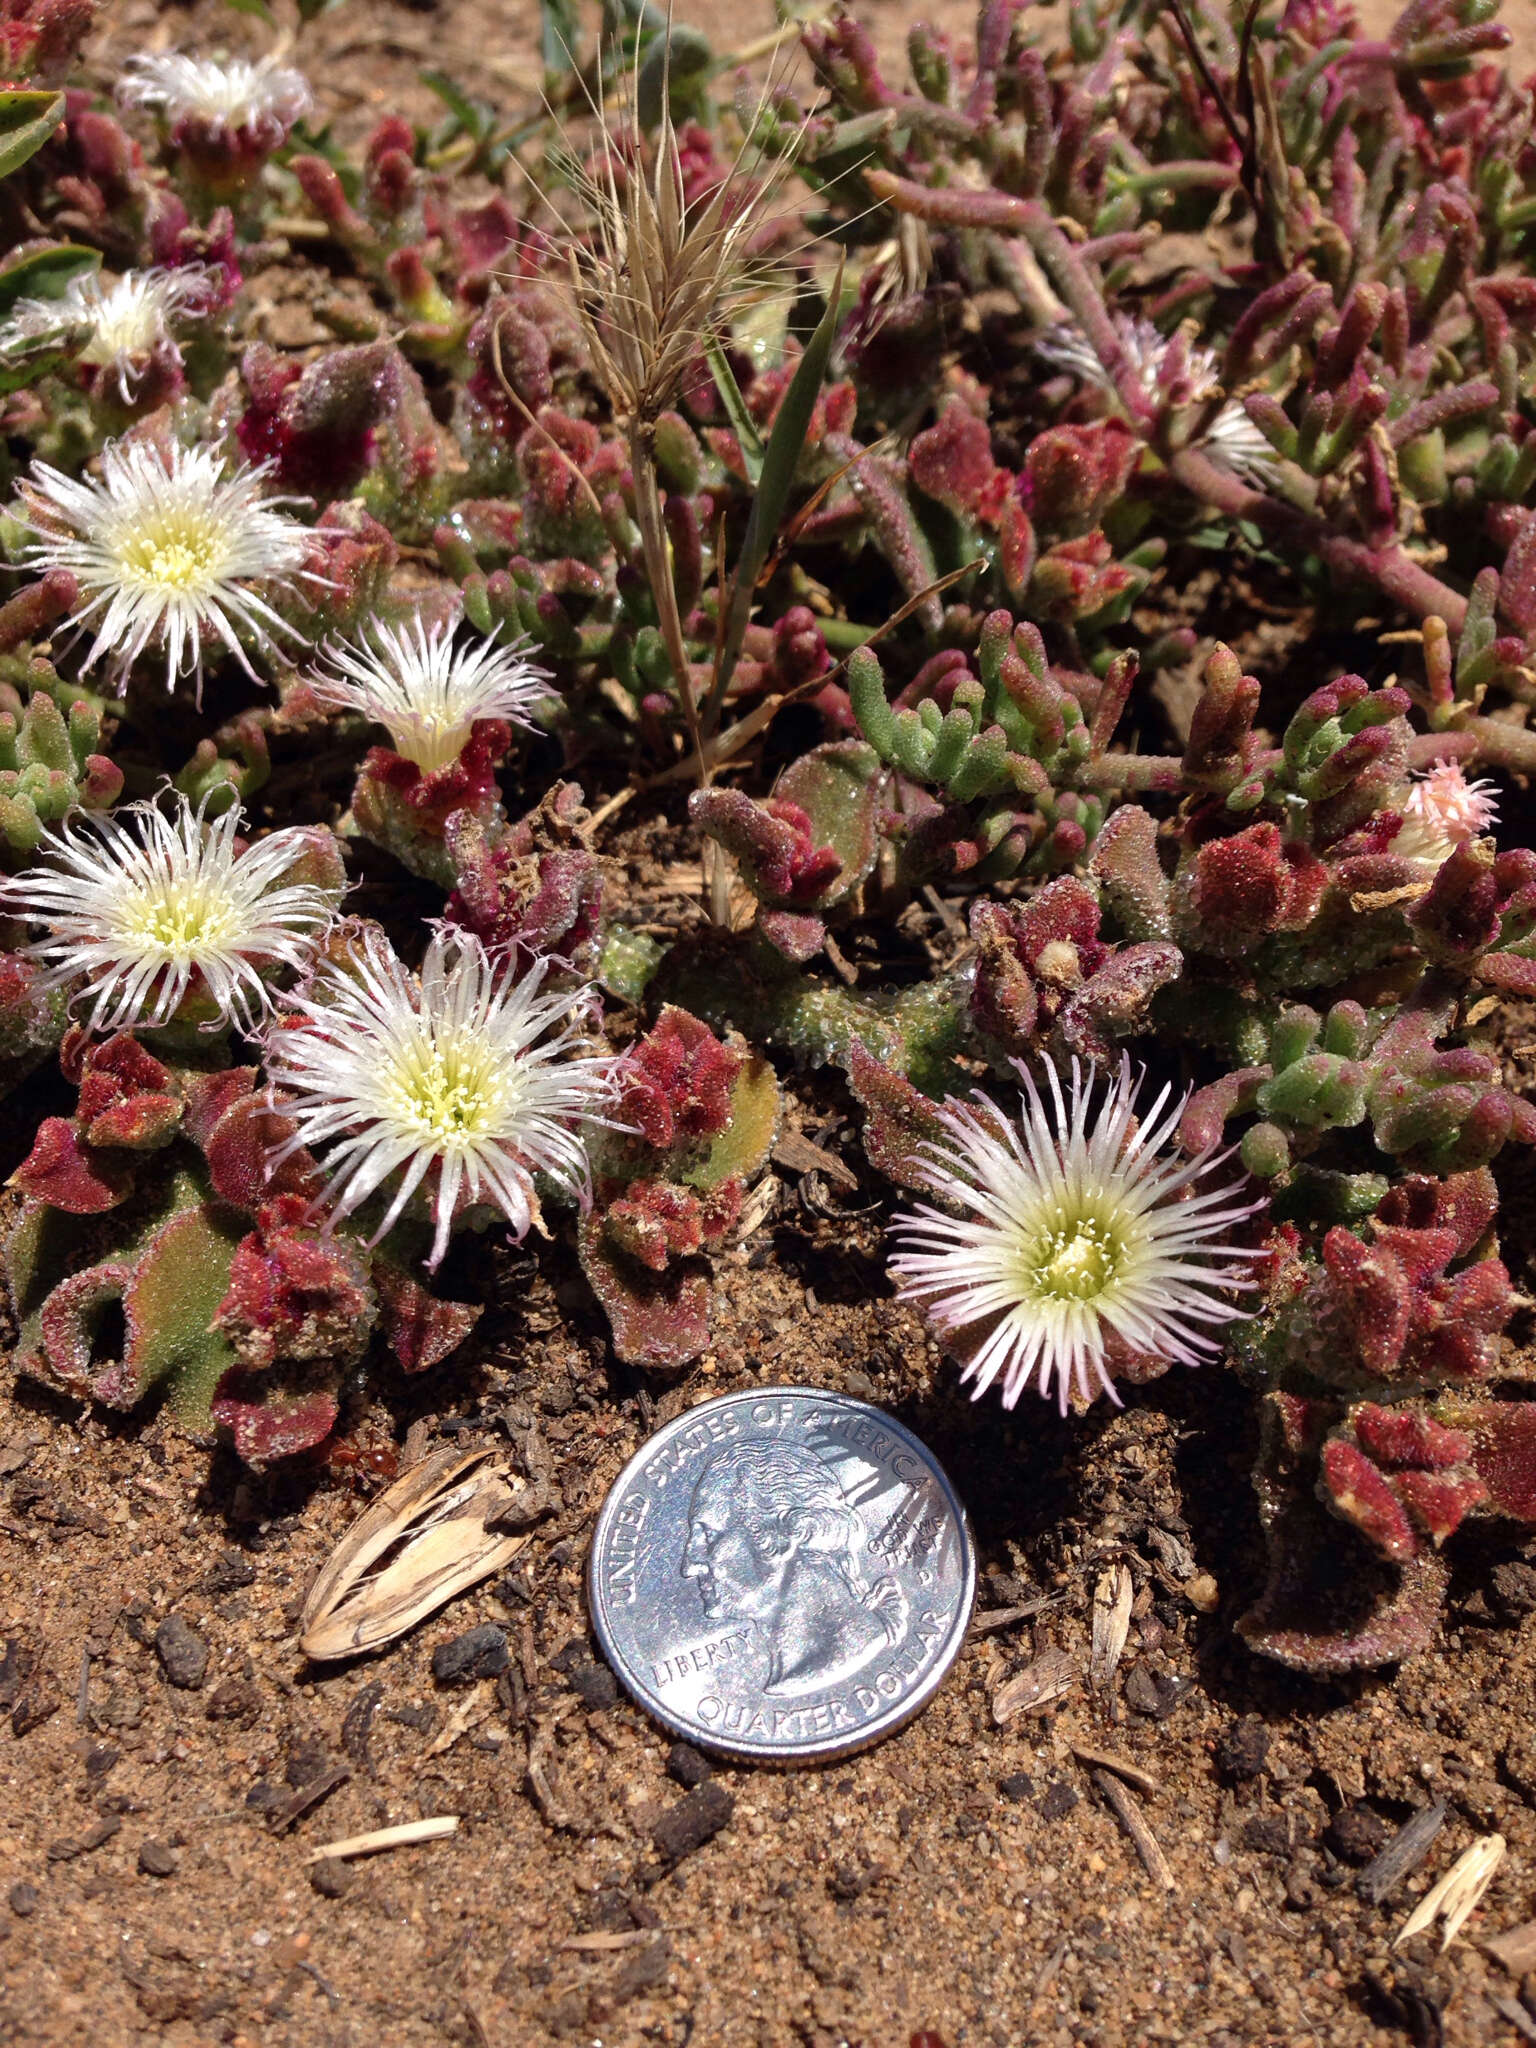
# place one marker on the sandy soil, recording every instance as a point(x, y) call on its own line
point(966, 1883)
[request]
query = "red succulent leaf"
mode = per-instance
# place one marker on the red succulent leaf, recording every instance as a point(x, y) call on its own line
point(70, 1175)
point(676, 1084)
point(1363, 1496)
point(296, 1292)
point(1376, 1292)
point(420, 1329)
point(1404, 1436)
point(267, 1424)
point(655, 1222)
point(1438, 1501)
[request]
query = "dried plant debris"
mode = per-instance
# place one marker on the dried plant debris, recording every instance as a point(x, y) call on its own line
point(430, 1537)
point(1112, 1598)
point(1458, 1894)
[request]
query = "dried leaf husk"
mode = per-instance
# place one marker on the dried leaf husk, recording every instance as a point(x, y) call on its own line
point(425, 1540)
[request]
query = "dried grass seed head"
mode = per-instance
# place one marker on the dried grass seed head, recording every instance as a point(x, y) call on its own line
point(657, 277)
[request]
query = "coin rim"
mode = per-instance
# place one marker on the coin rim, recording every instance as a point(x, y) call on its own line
point(810, 1750)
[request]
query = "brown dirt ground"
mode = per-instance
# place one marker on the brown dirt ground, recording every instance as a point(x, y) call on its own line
point(962, 1881)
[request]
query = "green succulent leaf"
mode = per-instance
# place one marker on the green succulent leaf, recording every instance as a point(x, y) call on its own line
point(27, 120)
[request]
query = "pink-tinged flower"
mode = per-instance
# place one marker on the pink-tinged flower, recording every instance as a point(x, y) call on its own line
point(120, 326)
point(165, 552)
point(458, 1078)
point(234, 98)
point(147, 912)
point(1443, 811)
point(1172, 371)
point(1070, 1239)
point(429, 687)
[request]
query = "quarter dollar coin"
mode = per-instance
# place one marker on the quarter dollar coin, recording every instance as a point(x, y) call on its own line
point(782, 1575)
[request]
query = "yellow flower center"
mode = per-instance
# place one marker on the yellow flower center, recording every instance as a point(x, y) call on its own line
point(176, 551)
point(448, 1091)
point(1074, 1260)
point(178, 923)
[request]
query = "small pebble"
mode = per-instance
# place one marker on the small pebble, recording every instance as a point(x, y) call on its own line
point(330, 1877)
point(1057, 1800)
point(689, 1766)
point(594, 1684)
point(182, 1652)
point(478, 1653)
point(1202, 1592)
point(696, 1819)
point(1357, 1833)
point(1016, 1786)
point(1513, 1588)
point(158, 1859)
point(23, 1898)
point(1153, 1693)
point(1242, 1748)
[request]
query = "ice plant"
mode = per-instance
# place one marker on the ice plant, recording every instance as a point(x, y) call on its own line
point(227, 116)
point(147, 911)
point(164, 551)
point(457, 1078)
point(1170, 371)
point(429, 688)
point(1443, 811)
point(1078, 1238)
point(124, 323)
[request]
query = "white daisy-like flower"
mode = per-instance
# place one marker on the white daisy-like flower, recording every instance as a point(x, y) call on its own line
point(429, 688)
point(1443, 811)
point(458, 1074)
point(1231, 439)
point(1238, 444)
point(233, 97)
point(150, 908)
point(1079, 1234)
point(1066, 347)
point(165, 554)
point(123, 323)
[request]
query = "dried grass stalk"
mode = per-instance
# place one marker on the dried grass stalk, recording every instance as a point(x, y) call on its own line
point(652, 284)
point(400, 1837)
point(421, 1543)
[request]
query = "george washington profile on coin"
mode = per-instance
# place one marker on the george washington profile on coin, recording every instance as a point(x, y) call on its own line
point(773, 1539)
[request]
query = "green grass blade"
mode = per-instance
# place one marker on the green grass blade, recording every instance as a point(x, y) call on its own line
point(781, 458)
point(743, 426)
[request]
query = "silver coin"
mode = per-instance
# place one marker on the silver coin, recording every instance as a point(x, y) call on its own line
point(782, 1575)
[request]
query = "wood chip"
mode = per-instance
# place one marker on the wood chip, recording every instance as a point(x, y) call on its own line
point(1051, 1674)
point(794, 1150)
point(1122, 1767)
point(989, 1618)
point(414, 1549)
point(1458, 1893)
point(1112, 1598)
point(1515, 1948)
point(1406, 1851)
point(1515, 2013)
point(1129, 1815)
point(388, 1838)
point(307, 1795)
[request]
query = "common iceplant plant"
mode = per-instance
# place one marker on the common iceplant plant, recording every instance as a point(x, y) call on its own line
point(875, 601)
